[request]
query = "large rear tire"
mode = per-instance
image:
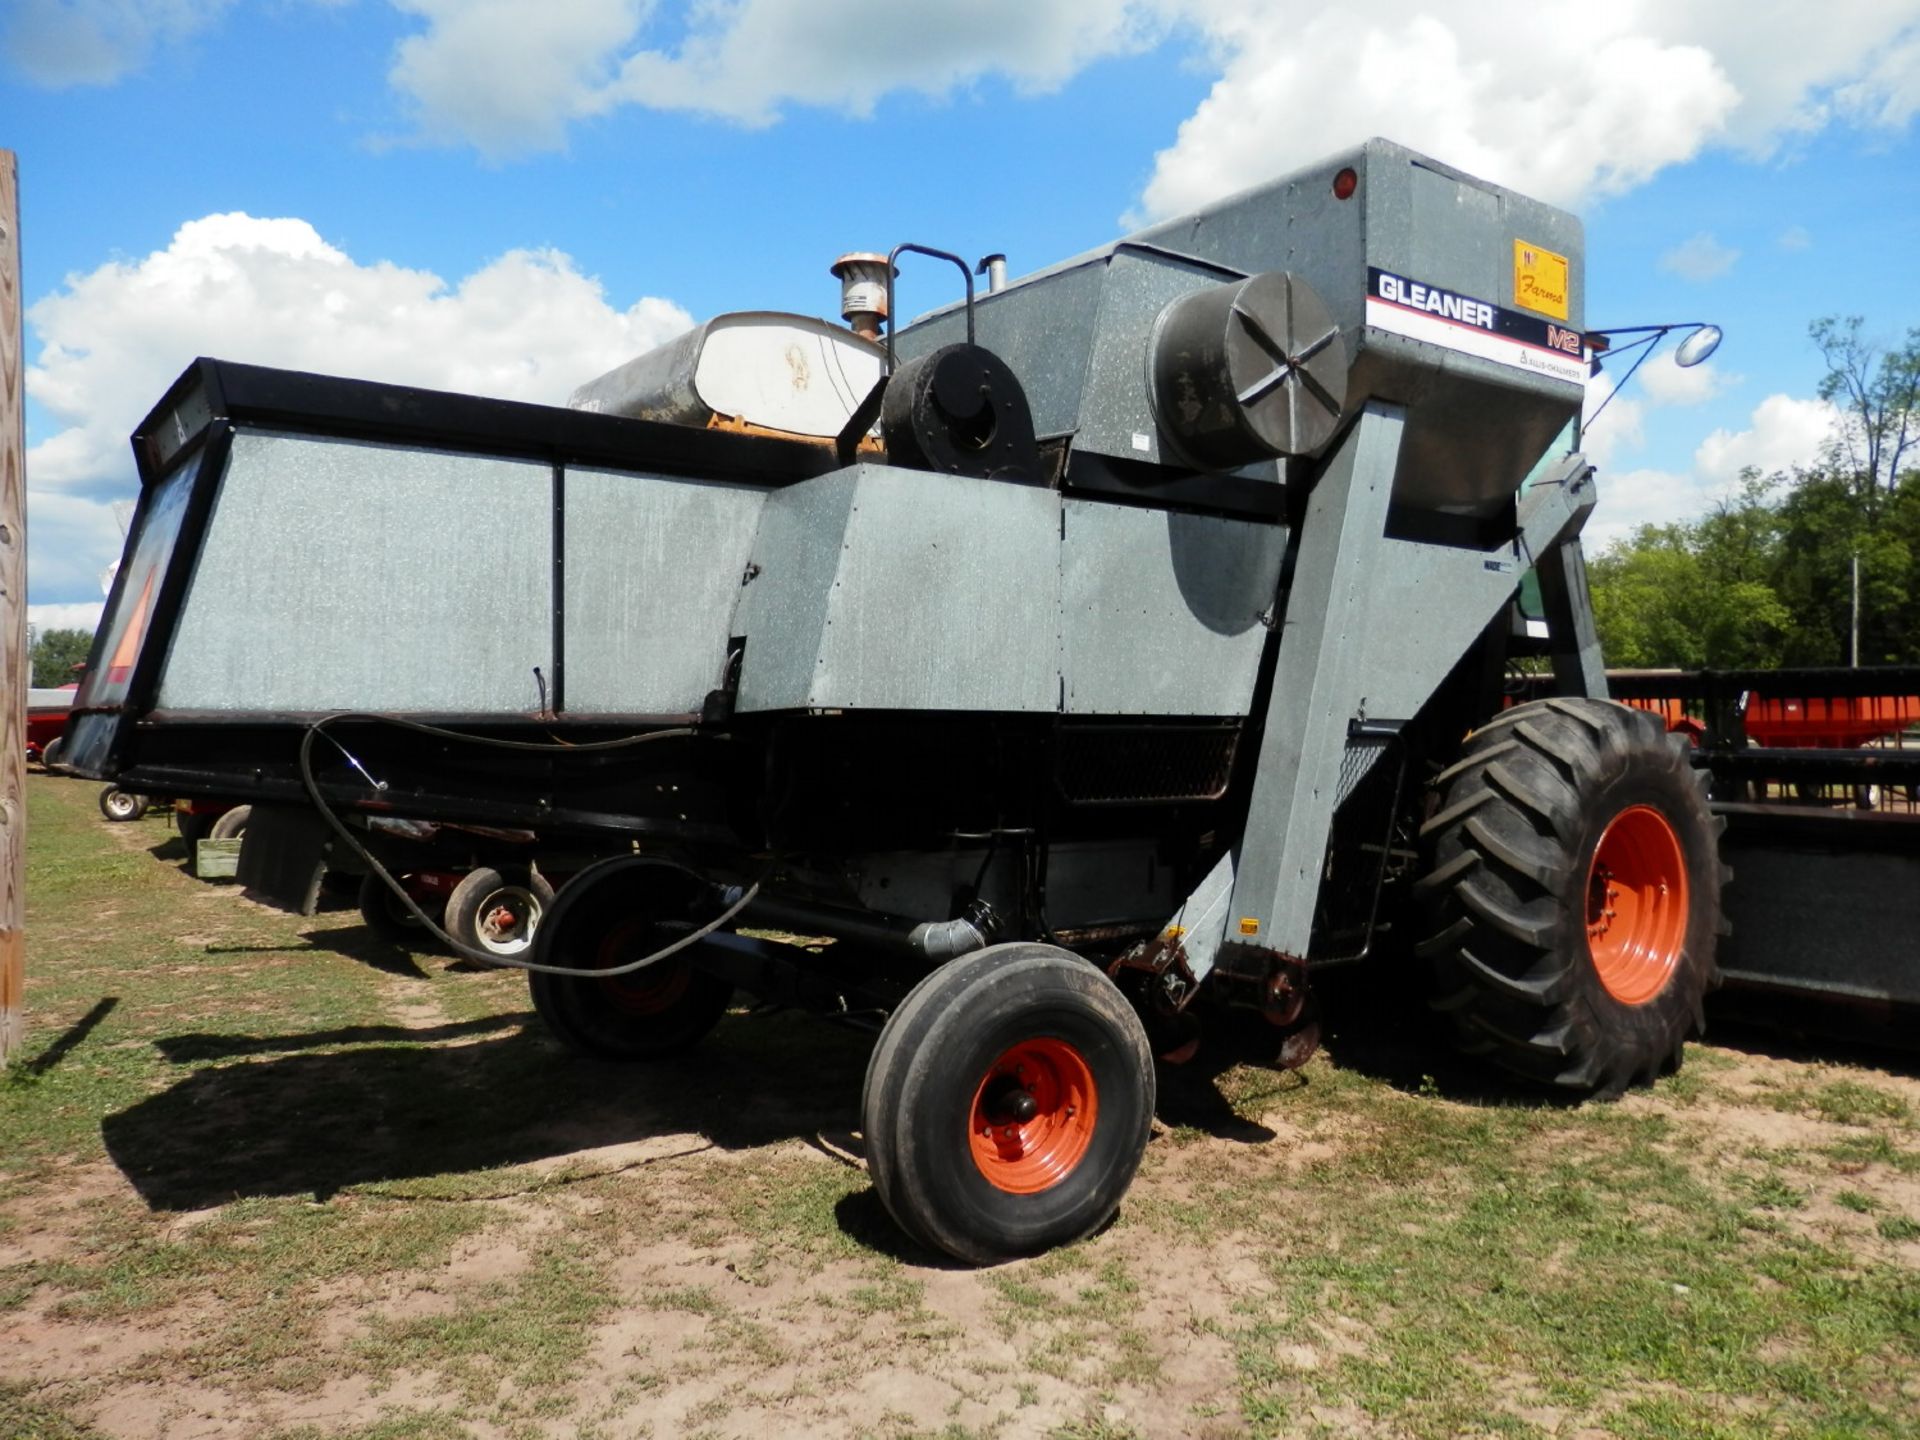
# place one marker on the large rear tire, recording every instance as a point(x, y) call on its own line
point(1008, 1103)
point(1574, 892)
point(609, 915)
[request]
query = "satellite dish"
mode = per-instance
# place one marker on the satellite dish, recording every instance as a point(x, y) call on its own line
point(1697, 346)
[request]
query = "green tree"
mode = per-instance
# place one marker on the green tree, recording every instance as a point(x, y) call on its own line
point(1696, 594)
point(56, 652)
point(1868, 461)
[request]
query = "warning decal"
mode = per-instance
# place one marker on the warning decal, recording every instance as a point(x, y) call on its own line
point(1474, 327)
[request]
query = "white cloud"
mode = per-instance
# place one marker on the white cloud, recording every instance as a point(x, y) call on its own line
point(1795, 237)
point(80, 615)
point(528, 326)
point(1634, 498)
point(1563, 99)
point(1782, 432)
point(1559, 98)
point(1669, 384)
point(58, 43)
point(1622, 428)
point(507, 75)
point(1658, 384)
point(1699, 258)
point(1888, 95)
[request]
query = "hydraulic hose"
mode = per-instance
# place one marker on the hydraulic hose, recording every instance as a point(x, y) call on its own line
point(482, 957)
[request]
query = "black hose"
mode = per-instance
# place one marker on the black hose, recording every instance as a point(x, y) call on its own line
point(483, 957)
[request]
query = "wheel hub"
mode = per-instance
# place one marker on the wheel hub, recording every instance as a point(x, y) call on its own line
point(1033, 1116)
point(1636, 905)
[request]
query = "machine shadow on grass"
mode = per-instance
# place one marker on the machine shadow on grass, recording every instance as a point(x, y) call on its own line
point(404, 1107)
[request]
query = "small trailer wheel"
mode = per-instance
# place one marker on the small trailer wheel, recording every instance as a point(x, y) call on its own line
point(231, 824)
point(386, 916)
point(611, 914)
point(497, 911)
point(120, 805)
point(1008, 1103)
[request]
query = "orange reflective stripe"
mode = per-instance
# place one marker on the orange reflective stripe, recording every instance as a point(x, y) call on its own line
point(128, 650)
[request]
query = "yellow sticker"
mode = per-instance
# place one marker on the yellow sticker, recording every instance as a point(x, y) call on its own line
point(1174, 932)
point(1249, 925)
point(1539, 279)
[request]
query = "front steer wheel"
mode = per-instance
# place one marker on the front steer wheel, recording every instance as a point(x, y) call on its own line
point(1574, 895)
point(1008, 1103)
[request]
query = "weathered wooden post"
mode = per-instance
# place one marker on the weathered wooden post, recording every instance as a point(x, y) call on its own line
point(13, 622)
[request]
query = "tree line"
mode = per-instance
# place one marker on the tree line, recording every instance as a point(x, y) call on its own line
point(1818, 565)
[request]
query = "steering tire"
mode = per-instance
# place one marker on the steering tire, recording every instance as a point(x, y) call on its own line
point(1008, 1103)
point(1573, 892)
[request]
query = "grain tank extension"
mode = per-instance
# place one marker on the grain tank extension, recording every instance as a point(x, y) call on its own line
point(1122, 644)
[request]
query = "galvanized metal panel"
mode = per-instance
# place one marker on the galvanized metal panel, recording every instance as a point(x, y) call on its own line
point(343, 574)
point(653, 571)
point(899, 589)
point(1474, 426)
point(1160, 612)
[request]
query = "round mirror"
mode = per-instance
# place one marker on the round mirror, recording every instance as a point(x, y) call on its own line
point(1697, 346)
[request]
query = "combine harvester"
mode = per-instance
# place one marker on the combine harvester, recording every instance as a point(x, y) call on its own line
point(1121, 644)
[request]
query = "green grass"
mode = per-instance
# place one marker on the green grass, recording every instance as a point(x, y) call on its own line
point(271, 1149)
point(1507, 1258)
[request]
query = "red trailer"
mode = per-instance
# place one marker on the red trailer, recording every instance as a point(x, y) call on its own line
point(1829, 722)
point(47, 722)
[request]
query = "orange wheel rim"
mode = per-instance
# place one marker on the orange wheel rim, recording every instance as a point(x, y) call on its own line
point(1033, 1116)
point(644, 992)
point(1637, 904)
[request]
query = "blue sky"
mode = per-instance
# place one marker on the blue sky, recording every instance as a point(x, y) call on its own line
point(510, 197)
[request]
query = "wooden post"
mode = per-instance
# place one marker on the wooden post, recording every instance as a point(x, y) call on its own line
point(13, 623)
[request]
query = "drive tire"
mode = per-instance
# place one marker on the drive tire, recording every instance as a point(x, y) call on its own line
point(1573, 894)
point(935, 1098)
point(497, 911)
point(610, 914)
point(383, 913)
point(120, 805)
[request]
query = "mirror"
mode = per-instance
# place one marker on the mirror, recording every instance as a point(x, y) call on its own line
point(1697, 346)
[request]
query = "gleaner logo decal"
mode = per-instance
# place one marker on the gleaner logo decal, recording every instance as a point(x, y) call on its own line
point(1466, 323)
point(1432, 300)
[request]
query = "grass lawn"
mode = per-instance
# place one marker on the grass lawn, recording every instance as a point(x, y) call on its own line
point(268, 1176)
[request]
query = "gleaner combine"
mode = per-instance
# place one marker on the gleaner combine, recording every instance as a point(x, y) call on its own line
point(1123, 643)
